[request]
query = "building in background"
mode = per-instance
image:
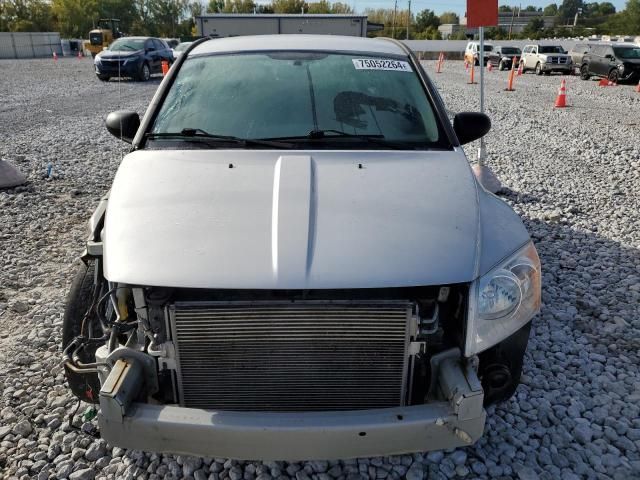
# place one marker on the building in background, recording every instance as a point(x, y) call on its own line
point(231, 25)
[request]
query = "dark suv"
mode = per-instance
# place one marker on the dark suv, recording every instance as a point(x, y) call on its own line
point(136, 57)
point(502, 57)
point(615, 62)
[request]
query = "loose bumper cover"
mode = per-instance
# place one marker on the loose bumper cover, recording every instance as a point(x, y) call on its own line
point(457, 419)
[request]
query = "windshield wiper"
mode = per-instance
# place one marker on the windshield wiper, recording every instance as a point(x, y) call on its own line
point(197, 134)
point(329, 134)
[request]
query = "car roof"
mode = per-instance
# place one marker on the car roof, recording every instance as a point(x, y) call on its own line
point(337, 43)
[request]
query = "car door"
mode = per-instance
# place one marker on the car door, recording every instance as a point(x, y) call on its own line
point(596, 66)
point(150, 55)
point(608, 61)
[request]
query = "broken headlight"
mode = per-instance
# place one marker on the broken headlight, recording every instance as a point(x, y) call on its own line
point(503, 300)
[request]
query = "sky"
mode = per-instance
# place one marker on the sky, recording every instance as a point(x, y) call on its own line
point(457, 6)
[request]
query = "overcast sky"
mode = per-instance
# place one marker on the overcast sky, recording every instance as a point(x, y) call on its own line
point(439, 6)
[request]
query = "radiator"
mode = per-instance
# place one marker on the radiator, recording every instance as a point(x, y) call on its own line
point(302, 356)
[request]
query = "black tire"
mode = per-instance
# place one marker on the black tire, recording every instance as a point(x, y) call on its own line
point(584, 72)
point(144, 74)
point(614, 76)
point(501, 65)
point(524, 69)
point(538, 69)
point(104, 78)
point(84, 386)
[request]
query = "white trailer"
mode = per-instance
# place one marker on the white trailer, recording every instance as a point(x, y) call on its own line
point(230, 25)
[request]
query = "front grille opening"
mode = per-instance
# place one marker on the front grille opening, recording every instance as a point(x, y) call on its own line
point(295, 350)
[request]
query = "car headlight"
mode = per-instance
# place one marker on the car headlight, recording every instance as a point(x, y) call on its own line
point(503, 300)
point(621, 68)
point(97, 60)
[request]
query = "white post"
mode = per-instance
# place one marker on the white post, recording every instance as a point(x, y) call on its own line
point(481, 150)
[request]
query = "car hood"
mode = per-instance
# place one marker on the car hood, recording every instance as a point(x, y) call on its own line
point(267, 219)
point(123, 54)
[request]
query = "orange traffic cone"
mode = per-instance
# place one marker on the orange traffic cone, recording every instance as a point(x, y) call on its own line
point(472, 79)
point(603, 82)
point(466, 66)
point(165, 67)
point(439, 62)
point(489, 66)
point(561, 99)
point(638, 87)
point(55, 57)
point(519, 68)
point(79, 54)
point(510, 81)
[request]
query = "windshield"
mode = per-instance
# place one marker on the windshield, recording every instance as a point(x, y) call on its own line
point(291, 94)
point(551, 49)
point(627, 52)
point(182, 46)
point(488, 48)
point(127, 44)
point(510, 51)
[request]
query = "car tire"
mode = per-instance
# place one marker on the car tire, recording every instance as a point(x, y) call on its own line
point(524, 68)
point(538, 69)
point(85, 386)
point(104, 78)
point(584, 72)
point(144, 73)
point(613, 76)
point(501, 66)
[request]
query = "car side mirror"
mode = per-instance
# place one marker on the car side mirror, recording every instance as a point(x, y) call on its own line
point(470, 126)
point(609, 56)
point(123, 124)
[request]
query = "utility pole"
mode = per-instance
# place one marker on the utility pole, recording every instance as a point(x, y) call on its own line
point(393, 27)
point(408, 19)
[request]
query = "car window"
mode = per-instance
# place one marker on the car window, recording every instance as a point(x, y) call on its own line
point(182, 46)
point(551, 49)
point(488, 48)
point(627, 52)
point(127, 44)
point(510, 51)
point(289, 94)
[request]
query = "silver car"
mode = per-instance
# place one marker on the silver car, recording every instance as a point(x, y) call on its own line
point(295, 261)
point(544, 59)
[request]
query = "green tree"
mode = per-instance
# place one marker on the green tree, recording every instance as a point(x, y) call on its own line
point(74, 18)
point(26, 16)
point(215, 6)
point(505, 9)
point(550, 10)
point(449, 17)
point(342, 8)
point(568, 9)
point(425, 19)
point(289, 6)
point(534, 28)
point(323, 6)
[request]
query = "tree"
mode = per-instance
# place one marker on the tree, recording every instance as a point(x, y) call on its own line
point(25, 16)
point(534, 28)
point(323, 6)
point(568, 10)
point(74, 18)
point(449, 17)
point(550, 10)
point(215, 6)
point(339, 7)
point(530, 8)
point(289, 6)
point(425, 19)
point(505, 9)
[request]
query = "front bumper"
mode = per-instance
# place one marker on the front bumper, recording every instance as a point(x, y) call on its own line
point(127, 70)
point(457, 419)
point(557, 67)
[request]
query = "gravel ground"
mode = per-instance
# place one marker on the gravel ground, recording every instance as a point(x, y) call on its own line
point(572, 174)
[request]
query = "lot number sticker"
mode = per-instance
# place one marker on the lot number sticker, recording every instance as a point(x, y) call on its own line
point(381, 64)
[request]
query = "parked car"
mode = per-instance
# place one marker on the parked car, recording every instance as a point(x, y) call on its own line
point(578, 51)
point(503, 57)
point(618, 63)
point(472, 55)
point(546, 59)
point(136, 57)
point(296, 261)
point(181, 47)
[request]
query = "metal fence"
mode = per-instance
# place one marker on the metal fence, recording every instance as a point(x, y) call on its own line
point(29, 44)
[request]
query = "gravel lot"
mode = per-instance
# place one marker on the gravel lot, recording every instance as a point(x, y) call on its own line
point(573, 174)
